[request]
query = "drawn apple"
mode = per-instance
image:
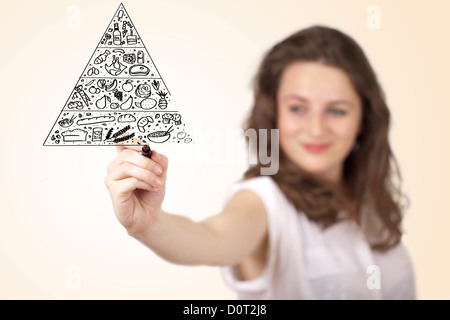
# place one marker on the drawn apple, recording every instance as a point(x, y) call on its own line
point(127, 86)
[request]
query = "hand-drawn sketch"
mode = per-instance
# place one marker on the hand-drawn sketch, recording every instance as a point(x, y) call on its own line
point(160, 136)
point(120, 95)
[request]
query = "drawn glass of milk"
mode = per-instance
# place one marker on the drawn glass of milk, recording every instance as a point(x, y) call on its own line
point(97, 134)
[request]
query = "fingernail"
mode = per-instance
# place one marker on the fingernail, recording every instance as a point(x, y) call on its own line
point(157, 170)
point(158, 182)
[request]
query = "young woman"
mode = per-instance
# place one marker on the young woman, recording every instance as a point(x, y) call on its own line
point(327, 225)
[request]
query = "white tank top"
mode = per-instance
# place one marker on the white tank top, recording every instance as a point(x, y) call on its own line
point(307, 262)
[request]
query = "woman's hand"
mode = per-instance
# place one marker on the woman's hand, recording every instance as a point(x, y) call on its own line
point(136, 185)
point(223, 239)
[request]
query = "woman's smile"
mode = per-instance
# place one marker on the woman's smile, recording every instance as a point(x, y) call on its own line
point(316, 148)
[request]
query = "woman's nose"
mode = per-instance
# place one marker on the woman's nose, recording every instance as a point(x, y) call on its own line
point(316, 125)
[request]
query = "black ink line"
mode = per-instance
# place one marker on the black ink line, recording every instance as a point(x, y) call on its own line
point(128, 137)
point(122, 131)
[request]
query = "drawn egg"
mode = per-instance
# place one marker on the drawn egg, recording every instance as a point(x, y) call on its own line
point(181, 135)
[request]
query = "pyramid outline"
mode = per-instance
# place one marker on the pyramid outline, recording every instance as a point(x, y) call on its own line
point(184, 136)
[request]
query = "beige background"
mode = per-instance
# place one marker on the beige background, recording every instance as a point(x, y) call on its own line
point(55, 210)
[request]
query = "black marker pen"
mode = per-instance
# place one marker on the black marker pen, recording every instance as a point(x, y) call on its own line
point(146, 151)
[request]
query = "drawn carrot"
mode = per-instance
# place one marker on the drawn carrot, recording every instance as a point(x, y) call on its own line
point(155, 85)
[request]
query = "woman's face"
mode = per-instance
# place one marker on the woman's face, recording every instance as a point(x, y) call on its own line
point(319, 116)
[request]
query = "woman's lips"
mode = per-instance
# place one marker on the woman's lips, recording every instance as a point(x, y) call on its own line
point(316, 148)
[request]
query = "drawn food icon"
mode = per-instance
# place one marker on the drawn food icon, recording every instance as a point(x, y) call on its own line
point(177, 119)
point(118, 94)
point(127, 104)
point(102, 102)
point(167, 117)
point(75, 105)
point(94, 90)
point(115, 68)
point(101, 58)
point(155, 85)
point(160, 136)
point(74, 135)
point(129, 58)
point(143, 91)
point(139, 70)
point(101, 83)
point(126, 118)
point(143, 122)
point(93, 71)
point(146, 104)
point(162, 104)
point(111, 86)
point(79, 90)
point(127, 86)
point(120, 15)
point(65, 123)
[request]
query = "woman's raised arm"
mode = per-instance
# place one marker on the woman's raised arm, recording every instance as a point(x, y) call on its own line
point(137, 187)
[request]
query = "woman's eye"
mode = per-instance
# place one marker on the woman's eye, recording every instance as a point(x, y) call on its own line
point(337, 112)
point(297, 109)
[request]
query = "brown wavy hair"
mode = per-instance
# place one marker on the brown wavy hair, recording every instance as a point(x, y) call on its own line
point(371, 175)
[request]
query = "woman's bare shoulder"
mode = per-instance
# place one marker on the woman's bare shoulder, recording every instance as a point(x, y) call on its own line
point(245, 200)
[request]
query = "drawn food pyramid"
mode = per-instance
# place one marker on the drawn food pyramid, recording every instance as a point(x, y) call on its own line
point(120, 96)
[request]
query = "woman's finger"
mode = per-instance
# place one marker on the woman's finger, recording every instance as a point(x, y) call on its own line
point(161, 159)
point(126, 170)
point(123, 187)
point(120, 148)
point(135, 158)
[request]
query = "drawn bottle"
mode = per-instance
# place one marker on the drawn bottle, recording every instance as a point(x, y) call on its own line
point(140, 56)
point(117, 38)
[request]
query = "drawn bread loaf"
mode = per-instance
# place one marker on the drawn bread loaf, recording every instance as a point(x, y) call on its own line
point(94, 120)
point(74, 135)
point(126, 118)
